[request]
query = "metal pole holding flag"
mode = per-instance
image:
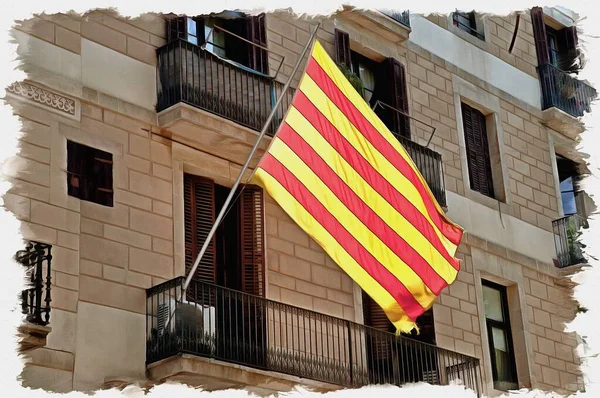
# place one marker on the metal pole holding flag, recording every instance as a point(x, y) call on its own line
point(244, 167)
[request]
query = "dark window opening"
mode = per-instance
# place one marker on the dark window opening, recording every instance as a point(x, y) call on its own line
point(382, 81)
point(89, 174)
point(478, 152)
point(234, 261)
point(466, 22)
point(557, 47)
point(366, 70)
point(499, 333)
point(570, 190)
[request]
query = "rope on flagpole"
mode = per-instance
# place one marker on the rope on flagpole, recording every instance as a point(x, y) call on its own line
point(224, 209)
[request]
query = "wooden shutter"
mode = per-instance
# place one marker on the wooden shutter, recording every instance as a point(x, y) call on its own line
point(342, 48)
point(199, 213)
point(257, 33)
point(478, 154)
point(399, 97)
point(103, 178)
point(539, 35)
point(391, 89)
point(375, 317)
point(176, 27)
point(252, 240)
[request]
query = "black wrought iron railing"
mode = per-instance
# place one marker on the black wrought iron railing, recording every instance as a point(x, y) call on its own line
point(35, 300)
point(429, 163)
point(564, 92)
point(402, 17)
point(567, 231)
point(190, 74)
point(216, 322)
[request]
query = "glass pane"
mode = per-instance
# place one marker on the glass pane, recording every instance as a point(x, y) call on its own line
point(368, 79)
point(499, 339)
point(492, 302)
point(191, 27)
point(569, 204)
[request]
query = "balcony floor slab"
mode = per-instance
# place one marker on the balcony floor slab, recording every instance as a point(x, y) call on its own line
point(211, 375)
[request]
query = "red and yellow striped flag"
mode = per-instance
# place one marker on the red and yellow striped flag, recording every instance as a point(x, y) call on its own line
point(342, 176)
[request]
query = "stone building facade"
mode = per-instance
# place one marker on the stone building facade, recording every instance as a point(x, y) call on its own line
point(106, 84)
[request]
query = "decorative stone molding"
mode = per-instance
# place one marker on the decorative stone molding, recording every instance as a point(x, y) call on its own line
point(58, 103)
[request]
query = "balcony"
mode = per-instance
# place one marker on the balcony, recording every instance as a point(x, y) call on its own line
point(387, 24)
point(35, 300)
point(429, 163)
point(566, 240)
point(402, 17)
point(194, 83)
point(276, 341)
point(564, 98)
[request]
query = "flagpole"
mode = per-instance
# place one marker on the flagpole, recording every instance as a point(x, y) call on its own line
point(248, 160)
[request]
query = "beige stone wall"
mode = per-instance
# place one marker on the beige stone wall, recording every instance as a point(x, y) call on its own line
point(105, 258)
point(525, 143)
point(136, 37)
point(499, 32)
point(300, 273)
point(539, 307)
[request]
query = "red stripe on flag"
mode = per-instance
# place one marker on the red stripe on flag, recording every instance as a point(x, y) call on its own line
point(394, 197)
point(361, 210)
point(362, 256)
point(332, 91)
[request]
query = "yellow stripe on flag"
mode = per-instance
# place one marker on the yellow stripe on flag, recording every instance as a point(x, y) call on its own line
point(308, 223)
point(371, 197)
point(369, 152)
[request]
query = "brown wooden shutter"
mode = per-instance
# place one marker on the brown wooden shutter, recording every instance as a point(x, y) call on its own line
point(399, 97)
point(539, 34)
point(375, 317)
point(176, 27)
point(199, 212)
point(342, 48)
point(252, 240)
point(391, 89)
point(478, 154)
point(257, 33)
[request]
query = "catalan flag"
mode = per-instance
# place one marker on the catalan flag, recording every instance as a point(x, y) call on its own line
point(342, 176)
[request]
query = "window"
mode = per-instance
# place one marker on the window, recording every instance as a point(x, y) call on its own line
point(235, 256)
point(478, 152)
point(234, 260)
point(89, 174)
point(383, 81)
point(466, 22)
point(365, 69)
point(499, 336)
point(555, 45)
point(238, 44)
point(383, 357)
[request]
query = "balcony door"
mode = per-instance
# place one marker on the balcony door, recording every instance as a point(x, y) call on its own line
point(401, 361)
point(230, 277)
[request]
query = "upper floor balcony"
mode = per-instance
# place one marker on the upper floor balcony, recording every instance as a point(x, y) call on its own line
point(567, 231)
point(213, 334)
point(191, 75)
point(563, 98)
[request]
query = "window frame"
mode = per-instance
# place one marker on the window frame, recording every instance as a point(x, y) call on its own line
point(471, 27)
point(505, 326)
point(90, 186)
point(485, 148)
